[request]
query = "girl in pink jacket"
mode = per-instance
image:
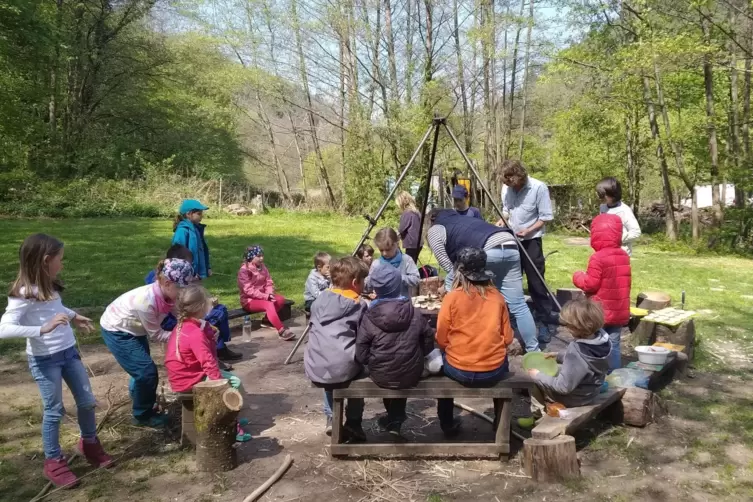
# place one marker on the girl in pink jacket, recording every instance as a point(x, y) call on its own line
point(258, 291)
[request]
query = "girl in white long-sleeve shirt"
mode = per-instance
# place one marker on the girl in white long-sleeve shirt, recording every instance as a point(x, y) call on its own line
point(609, 191)
point(131, 320)
point(36, 312)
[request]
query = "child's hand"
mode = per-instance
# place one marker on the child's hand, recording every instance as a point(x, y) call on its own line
point(533, 372)
point(372, 296)
point(83, 323)
point(550, 355)
point(58, 320)
point(271, 298)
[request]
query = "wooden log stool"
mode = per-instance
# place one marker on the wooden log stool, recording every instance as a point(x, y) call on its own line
point(216, 407)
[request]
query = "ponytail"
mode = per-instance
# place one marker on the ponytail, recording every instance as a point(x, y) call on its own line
point(176, 221)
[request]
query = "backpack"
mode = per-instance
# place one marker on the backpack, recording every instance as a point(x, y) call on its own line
point(427, 271)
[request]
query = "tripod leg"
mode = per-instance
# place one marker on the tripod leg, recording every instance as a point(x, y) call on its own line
point(499, 212)
point(298, 344)
point(429, 172)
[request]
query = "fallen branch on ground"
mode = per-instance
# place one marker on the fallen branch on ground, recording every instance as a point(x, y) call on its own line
point(484, 416)
point(272, 480)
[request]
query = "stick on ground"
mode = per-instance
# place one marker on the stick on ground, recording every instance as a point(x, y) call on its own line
point(272, 480)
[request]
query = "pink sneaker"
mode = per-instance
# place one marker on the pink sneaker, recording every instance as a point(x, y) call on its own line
point(95, 454)
point(57, 471)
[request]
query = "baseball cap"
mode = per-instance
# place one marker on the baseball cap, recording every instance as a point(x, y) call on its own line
point(459, 192)
point(189, 205)
point(471, 262)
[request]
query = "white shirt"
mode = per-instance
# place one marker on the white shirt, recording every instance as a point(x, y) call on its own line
point(135, 312)
point(24, 318)
point(631, 230)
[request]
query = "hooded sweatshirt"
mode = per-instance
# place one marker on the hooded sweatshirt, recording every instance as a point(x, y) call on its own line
point(331, 349)
point(392, 340)
point(191, 235)
point(191, 355)
point(584, 366)
point(608, 277)
point(408, 271)
point(315, 284)
point(631, 230)
point(254, 283)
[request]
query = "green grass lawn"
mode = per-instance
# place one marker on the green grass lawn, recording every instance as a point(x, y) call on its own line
point(105, 257)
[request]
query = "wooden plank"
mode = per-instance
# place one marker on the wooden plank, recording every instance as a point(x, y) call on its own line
point(463, 392)
point(411, 449)
point(512, 381)
point(337, 420)
point(550, 427)
point(236, 313)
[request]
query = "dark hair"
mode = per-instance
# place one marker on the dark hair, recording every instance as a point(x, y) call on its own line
point(32, 270)
point(364, 250)
point(385, 238)
point(513, 168)
point(181, 252)
point(609, 187)
point(346, 270)
point(321, 258)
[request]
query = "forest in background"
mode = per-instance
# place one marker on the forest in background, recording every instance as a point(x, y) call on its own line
point(112, 107)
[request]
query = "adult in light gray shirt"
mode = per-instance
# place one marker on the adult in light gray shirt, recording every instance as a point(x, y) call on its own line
point(528, 208)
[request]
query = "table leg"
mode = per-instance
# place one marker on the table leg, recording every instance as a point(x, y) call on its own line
point(337, 420)
point(502, 417)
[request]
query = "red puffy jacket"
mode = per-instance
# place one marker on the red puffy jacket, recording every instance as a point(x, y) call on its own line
point(607, 279)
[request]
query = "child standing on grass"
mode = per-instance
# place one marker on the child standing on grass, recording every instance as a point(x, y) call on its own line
point(189, 232)
point(607, 280)
point(329, 359)
point(258, 291)
point(609, 191)
point(36, 312)
point(473, 331)
point(386, 240)
point(392, 340)
point(317, 281)
point(130, 319)
point(584, 363)
point(217, 317)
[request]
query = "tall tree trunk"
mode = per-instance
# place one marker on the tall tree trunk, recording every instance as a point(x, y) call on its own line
point(671, 227)
point(409, 52)
point(282, 179)
point(676, 148)
point(525, 81)
point(467, 118)
point(309, 102)
point(734, 142)
point(55, 74)
point(746, 114)
point(487, 57)
point(513, 75)
point(299, 150)
point(630, 158)
point(708, 80)
point(637, 180)
point(391, 49)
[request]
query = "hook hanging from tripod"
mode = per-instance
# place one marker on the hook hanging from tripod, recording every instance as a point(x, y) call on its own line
point(369, 219)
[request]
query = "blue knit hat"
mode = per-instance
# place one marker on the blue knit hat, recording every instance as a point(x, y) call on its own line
point(386, 281)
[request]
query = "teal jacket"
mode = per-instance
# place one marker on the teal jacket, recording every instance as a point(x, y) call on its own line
point(191, 236)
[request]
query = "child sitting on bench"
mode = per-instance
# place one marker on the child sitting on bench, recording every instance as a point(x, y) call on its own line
point(191, 353)
point(392, 340)
point(317, 281)
point(584, 363)
point(329, 359)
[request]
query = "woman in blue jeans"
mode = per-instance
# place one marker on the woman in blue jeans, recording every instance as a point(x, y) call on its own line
point(450, 232)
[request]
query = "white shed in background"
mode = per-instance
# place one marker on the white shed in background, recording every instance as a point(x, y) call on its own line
point(703, 193)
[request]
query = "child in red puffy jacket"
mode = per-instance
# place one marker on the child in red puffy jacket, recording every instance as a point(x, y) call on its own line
point(607, 280)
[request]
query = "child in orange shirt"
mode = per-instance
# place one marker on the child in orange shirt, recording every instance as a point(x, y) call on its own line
point(473, 332)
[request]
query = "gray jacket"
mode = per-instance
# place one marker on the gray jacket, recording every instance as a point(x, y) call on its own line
point(315, 284)
point(408, 271)
point(330, 355)
point(584, 366)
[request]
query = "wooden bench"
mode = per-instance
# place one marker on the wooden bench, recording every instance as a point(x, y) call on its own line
point(550, 427)
point(285, 313)
point(432, 387)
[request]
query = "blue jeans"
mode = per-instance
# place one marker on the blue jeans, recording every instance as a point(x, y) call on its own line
point(615, 356)
point(49, 373)
point(469, 379)
point(132, 353)
point(504, 262)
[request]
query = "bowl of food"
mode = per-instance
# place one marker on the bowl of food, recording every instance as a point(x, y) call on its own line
point(652, 355)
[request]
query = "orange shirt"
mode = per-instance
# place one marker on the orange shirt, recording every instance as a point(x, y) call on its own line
point(474, 332)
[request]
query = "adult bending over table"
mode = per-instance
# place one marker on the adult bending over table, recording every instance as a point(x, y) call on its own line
point(529, 208)
point(449, 232)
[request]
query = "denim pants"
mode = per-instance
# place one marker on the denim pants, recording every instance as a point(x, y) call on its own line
point(49, 373)
point(615, 357)
point(217, 318)
point(469, 379)
point(504, 263)
point(132, 353)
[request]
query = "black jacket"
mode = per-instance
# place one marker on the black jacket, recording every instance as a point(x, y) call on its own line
point(392, 340)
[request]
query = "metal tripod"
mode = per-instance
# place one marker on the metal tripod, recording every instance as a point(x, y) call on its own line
point(435, 126)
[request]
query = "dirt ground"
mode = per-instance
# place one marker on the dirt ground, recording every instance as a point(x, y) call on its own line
point(698, 452)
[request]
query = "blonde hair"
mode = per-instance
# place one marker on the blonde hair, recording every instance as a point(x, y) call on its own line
point(582, 317)
point(192, 303)
point(33, 270)
point(469, 286)
point(405, 201)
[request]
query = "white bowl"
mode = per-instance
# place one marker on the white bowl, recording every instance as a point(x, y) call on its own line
point(652, 355)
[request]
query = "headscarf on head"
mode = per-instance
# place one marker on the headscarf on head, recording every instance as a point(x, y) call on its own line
point(253, 251)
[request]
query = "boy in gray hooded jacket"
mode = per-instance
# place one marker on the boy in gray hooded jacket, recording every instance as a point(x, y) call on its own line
point(584, 364)
point(330, 357)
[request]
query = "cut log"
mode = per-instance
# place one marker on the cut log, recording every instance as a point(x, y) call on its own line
point(430, 286)
point(216, 407)
point(551, 460)
point(639, 407)
point(565, 295)
point(653, 300)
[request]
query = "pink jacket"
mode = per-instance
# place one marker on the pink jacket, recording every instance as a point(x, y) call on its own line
point(254, 283)
point(196, 357)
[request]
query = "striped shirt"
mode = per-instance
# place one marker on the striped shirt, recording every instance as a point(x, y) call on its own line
point(437, 237)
